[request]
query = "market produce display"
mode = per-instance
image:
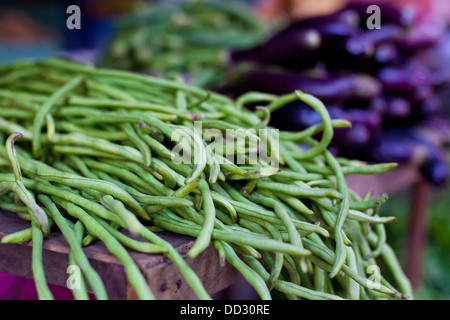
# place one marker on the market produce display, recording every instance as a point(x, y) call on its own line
point(89, 152)
point(192, 37)
point(378, 79)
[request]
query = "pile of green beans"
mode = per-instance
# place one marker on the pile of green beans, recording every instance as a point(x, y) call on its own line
point(192, 37)
point(88, 152)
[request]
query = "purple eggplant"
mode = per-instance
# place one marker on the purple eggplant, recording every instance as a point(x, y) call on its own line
point(378, 104)
point(421, 37)
point(435, 168)
point(437, 58)
point(351, 48)
point(336, 88)
point(282, 49)
point(306, 116)
point(370, 119)
point(364, 123)
point(379, 43)
point(358, 135)
point(440, 127)
point(398, 107)
point(388, 33)
point(348, 17)
point(421, 94)
point(299, 39)
point(393, 146)
point(319, 71)
point(338, 29)
point(386, 53)
point(300, 48)
point(297, 116)
point(432, 105)
point(350, 141)
point(425, 103)
point(410, 146)
point(441, 77)
point(404, 79)
point(398, 113)
point(338, 38)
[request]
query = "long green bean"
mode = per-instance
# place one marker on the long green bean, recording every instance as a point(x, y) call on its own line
point(80, 293)
point(134, 275)
point(75, 246)
point(37, 264)
point(204, 236)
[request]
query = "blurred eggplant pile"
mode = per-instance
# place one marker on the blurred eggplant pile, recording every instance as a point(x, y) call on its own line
point(385, 81)
point(189, 37)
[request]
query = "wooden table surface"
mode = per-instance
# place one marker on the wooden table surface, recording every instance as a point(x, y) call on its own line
point(163, 276)
point(396, 180)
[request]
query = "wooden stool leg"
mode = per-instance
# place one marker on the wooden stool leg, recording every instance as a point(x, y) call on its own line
point(417, 232)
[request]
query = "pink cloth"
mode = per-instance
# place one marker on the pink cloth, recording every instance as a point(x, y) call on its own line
point(18, 288)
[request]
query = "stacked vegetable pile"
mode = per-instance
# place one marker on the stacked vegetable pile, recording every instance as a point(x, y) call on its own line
point(90, 152)
point(187, 36)
point(375, 78)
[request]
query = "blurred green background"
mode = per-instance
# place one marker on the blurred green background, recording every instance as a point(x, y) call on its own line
point(436, 264)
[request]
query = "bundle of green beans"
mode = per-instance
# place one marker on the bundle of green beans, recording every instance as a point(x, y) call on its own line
point(89, 152)
point(185, 36)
